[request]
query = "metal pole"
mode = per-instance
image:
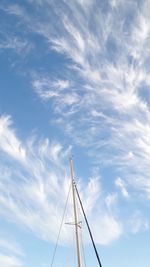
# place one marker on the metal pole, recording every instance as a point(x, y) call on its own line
point(75, 213)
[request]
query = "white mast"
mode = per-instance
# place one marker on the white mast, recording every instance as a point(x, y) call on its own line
point(75, 214)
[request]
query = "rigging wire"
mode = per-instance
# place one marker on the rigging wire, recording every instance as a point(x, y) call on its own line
point(90, 233)
point(56, 245)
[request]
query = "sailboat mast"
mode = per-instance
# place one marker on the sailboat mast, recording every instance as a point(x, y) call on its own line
point(75, 213)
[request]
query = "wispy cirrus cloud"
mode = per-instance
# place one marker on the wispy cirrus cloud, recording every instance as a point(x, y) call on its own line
point(11, 41)
point(11, 246)
point(37, 189)
point(15, 44)
point(137, 222)
point(12, 9)
point(111, 74)
point(101, 97)
point(9, 261)
point(8, 141)
point(121, 185)
point(11, 253)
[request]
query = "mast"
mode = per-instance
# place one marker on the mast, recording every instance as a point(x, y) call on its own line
point(75, 213)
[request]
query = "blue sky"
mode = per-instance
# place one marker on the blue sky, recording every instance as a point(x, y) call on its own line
point(75, 80)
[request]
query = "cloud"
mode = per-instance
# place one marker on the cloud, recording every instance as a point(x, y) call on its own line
point(121, 185)
point(11, 253)
point(111, 229)
point(11, 247)
point(144, 184)
point(13, 9)
point(12, 38)
point(100, 96)
point(16, 44)
point(105, 106)
point(111, 200)
point(9, 261)
point(37, 189)
point(9, 143)
point(59, 89)
point(138, 223)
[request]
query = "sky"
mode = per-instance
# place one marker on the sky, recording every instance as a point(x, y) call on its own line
point(74, 80)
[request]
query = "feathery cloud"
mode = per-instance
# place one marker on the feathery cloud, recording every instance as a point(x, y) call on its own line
point(101, 99)
point(120, 184)
point(9, 261)
point(37, 189)
point(105, 105)
point(11, 253)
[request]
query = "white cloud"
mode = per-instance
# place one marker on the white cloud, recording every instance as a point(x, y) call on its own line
point(62, 84)
point(111, 229)
point(20, 46)
point(109, 56)
point(47, 88)
point(9, 261)
point(113, 84)
point(137, 223)
point(114, 3)
point(13, 9)
point(36, 191)
point(100, 99)
point(11, 253)
point(121, 185)
point(9, 143)
point(111, 200)
point(143, 183)
point(10, 246)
